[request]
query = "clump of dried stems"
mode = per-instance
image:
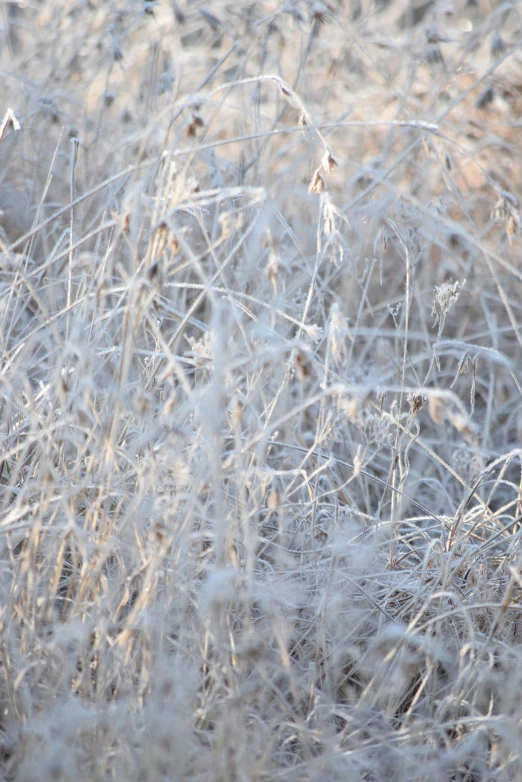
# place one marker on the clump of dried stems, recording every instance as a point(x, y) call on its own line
point(261, 391)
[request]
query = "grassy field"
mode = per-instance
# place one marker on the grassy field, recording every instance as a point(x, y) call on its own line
point(260, 391)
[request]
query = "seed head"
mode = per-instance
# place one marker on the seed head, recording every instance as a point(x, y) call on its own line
point(436, 407)
point(274, 499)
point(512, 225)
point(302, 367)
point(317, 184)
point(416, 402)
point(444, 298)
point(329, 162)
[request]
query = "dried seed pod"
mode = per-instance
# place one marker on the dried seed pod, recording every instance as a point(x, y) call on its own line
point(160, 238)
point(195, 125)
point(274, 500)
point(436, 407)
point(463, 425)
point(506, 210)
point(317, 184)
point(329, 162)
point(512, 225)
point(328, 216)
point(302, 366)
point(416, 402)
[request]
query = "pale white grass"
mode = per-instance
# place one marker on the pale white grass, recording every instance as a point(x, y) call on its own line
point(260, 396)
